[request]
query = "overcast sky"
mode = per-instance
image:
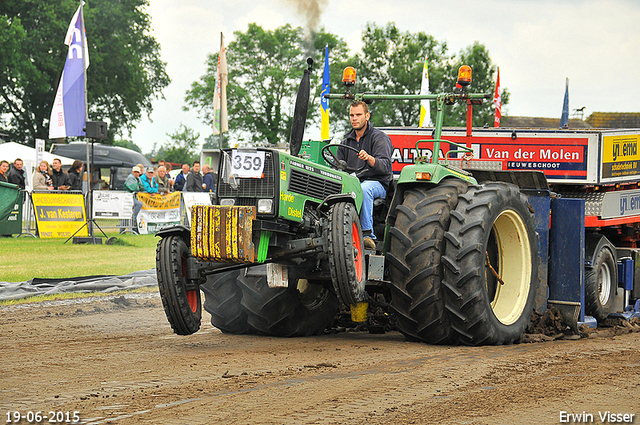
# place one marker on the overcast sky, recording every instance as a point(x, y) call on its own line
point(536, 44)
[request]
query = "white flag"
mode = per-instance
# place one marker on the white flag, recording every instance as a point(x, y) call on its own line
point(425, 111)
point(220, 122)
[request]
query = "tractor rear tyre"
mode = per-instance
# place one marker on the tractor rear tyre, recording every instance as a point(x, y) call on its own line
point(302, 310)
point(491, 264)
point(346, 257)
point(414, 260)
point(600, 284)
point(181, 302)
point(222, 299)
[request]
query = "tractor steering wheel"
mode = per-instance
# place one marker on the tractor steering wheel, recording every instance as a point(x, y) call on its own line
point(339, 164)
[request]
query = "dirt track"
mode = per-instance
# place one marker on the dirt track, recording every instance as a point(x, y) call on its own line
point(117, 361)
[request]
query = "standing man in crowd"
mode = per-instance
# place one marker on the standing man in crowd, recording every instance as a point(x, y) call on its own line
point(181, 179)
point(209, 179)
point(374, 154)
point(163, 181)
point(134, 185)
point(58, 176)
point(16, 175)
point(4, 169)
point(194, 179)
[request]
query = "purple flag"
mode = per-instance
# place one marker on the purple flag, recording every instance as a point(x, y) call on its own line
point(69, 112)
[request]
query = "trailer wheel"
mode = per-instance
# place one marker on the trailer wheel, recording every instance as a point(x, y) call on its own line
point(182, 304)
point(345, 249)
point(491, 265)
point(417, 297)
point(600, 284)
point(222, 299)
point(302, 310)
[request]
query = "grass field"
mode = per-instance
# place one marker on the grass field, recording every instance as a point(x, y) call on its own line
point(26, 258)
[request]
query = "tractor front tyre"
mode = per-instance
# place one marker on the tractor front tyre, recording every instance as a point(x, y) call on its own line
point(222, 299)
point(302, 310)
point(182, 303)
point(346, 257)
point(417, 297)
point(600, 282)
point(491, 264)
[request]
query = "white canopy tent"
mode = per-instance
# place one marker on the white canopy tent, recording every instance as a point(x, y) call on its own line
point(9, 151)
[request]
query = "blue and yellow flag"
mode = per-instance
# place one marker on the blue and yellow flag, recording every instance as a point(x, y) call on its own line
point(324, 103)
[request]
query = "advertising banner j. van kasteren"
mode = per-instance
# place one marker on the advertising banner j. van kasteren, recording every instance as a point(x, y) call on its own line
point(59, 215)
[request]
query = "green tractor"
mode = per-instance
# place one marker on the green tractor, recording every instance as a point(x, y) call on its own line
point(283, 249)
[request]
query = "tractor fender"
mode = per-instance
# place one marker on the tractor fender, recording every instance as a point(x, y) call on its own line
point(332, 199)
point(593, 243)
point(179, 230)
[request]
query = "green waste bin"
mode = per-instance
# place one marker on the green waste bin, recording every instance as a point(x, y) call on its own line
point(11, 200)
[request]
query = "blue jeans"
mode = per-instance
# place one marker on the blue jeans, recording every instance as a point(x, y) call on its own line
point(137, 206)
point(371, 189)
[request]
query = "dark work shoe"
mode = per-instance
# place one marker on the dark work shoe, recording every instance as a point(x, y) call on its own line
point(369, 244)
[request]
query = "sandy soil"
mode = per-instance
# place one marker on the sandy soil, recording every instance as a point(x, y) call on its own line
point(116, 361)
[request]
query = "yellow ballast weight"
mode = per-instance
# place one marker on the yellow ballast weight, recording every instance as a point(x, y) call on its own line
point(222, 233)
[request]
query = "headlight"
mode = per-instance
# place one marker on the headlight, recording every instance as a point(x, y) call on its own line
point(265, 206)
point(227, 201)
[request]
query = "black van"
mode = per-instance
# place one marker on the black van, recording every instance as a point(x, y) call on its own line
point(110, 165)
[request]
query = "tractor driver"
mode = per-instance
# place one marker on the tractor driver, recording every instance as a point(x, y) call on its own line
point(375, 155)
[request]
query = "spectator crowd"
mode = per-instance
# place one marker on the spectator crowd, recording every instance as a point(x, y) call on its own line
point(153, 180)
point(46, 177)
point(157, 180)
point(150, 180)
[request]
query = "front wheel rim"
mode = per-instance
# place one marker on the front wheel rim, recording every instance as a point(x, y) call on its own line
point(357, 247)
point(192, 296)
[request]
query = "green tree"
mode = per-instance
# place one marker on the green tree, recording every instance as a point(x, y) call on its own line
point(265, 68)
point(124, 76)
point(483, 81)
point(391, 62)
point(182, 147)
point(213, 141)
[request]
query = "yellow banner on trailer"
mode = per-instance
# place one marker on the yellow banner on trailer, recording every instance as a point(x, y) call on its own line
point(620, 155)
point(59, 215)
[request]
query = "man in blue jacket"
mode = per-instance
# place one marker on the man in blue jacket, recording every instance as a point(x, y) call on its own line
point(149, 182)
point(181, 179)
point(374, 157)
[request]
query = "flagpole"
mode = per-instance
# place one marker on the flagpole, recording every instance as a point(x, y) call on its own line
point(220, 94)
point(86, 118)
